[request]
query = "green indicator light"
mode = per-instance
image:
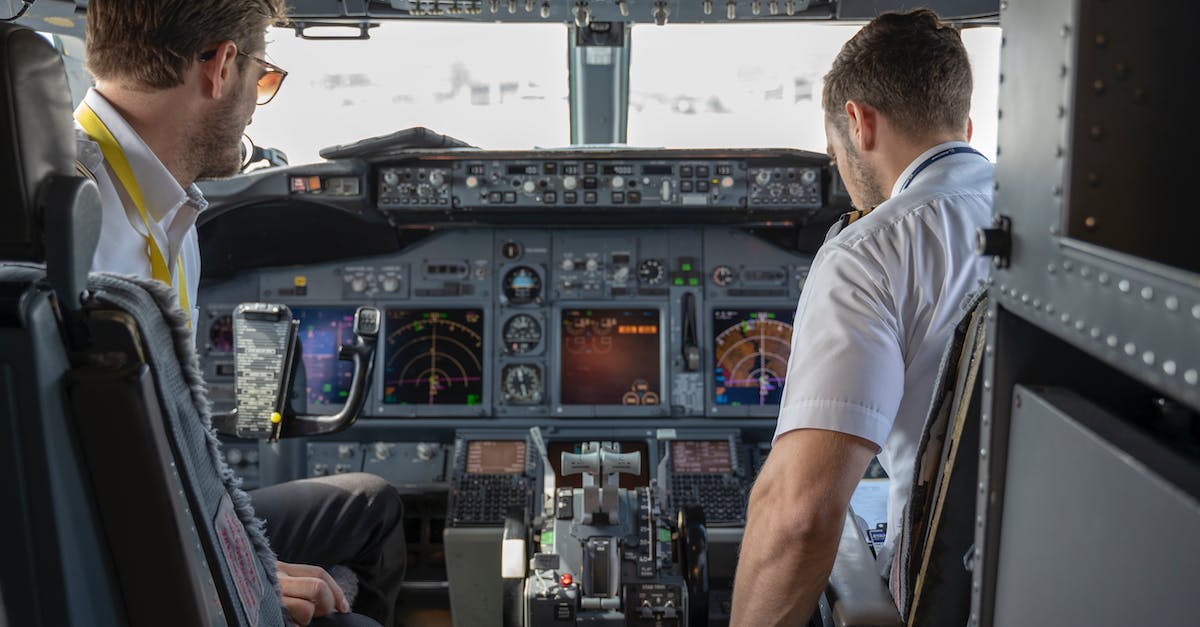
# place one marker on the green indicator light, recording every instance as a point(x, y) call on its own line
point(343, 394)
point(679, 281)
point(664, 535)
point(687, 267)
point(472, 399)
point(693, 281)
point(547, 538)
point(328, 387)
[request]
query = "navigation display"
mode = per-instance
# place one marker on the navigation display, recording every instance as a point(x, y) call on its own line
point(751, 349)
point(433, 357)
point(610, 357)
point(495, 457)
point(322, 331)
point(701, 457)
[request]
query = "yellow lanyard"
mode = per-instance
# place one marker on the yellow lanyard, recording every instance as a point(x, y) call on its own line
point(115, 157)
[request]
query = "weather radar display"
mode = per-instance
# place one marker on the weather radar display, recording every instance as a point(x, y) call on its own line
point(752, 349)
point(433, 357)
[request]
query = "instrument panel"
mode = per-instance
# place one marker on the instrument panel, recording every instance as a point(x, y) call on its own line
point(528, 323)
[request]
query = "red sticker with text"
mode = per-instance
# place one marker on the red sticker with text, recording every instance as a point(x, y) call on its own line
point(242, 560)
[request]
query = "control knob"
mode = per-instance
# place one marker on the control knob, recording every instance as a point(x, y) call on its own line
point(618, 182)
point(391, 178)
point(426, 451)
point(568, 265)
point(809, 177)
point(621, 274)
point(358, 284)
point(437, 178)
point(529, 187)
point(569, 182)
point(383, 450)
point(762, 178)
point(591, 265)
point(391, 284)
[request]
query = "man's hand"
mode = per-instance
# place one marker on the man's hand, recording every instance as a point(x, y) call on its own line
point(797, 510)
point(309, 592)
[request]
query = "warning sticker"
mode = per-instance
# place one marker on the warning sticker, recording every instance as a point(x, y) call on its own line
point(242, 560)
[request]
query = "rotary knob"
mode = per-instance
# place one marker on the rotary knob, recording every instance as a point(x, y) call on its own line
point(391, 284)
point(618, 182)
point(358, 284)
point(570, 182)
point(383, 450)
point(762, 178)
point(529, 187)
point(621, 274)
point(591, 265)
point(437, 178)
point(568, 265)
point(426, 451)
point(391, 178)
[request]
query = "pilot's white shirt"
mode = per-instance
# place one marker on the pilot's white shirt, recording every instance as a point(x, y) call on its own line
point(879, 307)
point(171, 208)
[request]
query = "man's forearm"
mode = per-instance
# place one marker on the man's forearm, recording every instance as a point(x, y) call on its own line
point(781, 573)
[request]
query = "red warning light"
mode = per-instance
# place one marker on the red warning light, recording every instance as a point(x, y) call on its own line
point(566, 580)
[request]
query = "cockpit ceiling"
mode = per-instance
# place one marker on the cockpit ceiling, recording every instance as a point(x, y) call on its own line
point(66, 16)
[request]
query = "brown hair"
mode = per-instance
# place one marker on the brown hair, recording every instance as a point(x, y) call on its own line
point(151, 43)
point(912, 67)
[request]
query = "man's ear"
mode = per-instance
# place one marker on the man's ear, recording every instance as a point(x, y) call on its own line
point(219, 70)
point(864, 125)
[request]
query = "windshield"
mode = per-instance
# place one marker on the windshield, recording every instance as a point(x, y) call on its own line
point(759, 85)
point(495, 88)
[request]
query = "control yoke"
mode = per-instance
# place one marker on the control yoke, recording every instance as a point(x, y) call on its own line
point(266, 356)
point(600, 459)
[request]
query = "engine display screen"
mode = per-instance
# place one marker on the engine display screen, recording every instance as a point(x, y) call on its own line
point(322, 331)
point(627, 481)
point(610, 357)
point(701, 457)
point(433, 357)
point(495, 457)
point(751, 349)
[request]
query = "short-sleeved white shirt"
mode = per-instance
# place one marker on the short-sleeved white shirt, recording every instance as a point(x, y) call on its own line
point(172, 209)
point(879, 308)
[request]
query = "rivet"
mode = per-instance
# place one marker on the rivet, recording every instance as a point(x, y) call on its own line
point(1025, 299)
point(1147, 293)
point(1049, 309)
point(1065, 31)
point(1196, 312)
point(1095, 333)
point(1192, 377)
point(1085, 272)
point(1148, 358)
point(1172, 303)
point(1121, 70)
point(1124, 286)
point(1103, 278)
point(1130, 349)
point(1067, 265)
point(1112, 341)
point(982, 453)
point(1098, 87)
point(1169, 367)
point(1037, 303)
point(1066, 318)
point(1101, 40)
point(1051, 268)
point(1080, 326)
point(987, 385)
point(1096, 132)
point(1004, 288)
point(991, 350)
point(1013, 292)
point(1054, 229)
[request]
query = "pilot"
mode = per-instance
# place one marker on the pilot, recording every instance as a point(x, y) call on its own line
point(176, 84)
point(878, 310)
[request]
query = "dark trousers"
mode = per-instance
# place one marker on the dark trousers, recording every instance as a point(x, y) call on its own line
point(355, 520)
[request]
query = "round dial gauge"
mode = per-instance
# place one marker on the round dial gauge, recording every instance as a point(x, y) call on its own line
point(722, 276)
point(651, 272)
point(220, 334)
point(521, 384)
point(522, 285)
point(522, 334)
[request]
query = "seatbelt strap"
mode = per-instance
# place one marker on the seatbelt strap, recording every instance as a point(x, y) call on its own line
point(115, 157)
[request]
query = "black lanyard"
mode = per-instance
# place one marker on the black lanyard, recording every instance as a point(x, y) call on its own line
point(934, 158)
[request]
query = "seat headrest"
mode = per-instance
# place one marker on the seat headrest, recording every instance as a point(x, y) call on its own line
point(37, 139)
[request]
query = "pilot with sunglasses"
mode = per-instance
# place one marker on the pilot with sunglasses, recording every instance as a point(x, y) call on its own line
point(177, 82)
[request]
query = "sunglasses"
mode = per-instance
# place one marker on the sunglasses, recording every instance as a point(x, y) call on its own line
point(268, 84)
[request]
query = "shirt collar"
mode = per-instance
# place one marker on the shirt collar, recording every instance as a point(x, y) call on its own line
point(160, 190)
point(899, 185)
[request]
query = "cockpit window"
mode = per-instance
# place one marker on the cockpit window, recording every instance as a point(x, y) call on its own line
point(493, 87)
point(759, 85)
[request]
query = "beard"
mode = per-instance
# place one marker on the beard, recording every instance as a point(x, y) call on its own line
point(217, 141)
point(869, 188)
